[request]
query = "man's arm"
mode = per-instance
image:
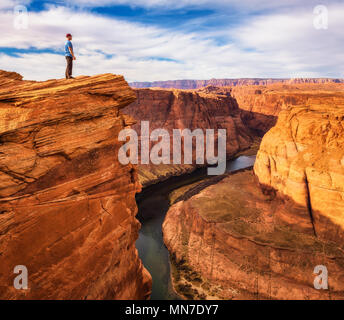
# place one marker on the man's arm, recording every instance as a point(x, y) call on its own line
point(71, 52)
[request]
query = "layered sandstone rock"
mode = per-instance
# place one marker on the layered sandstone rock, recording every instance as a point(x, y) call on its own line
point(67, 207)
point(181, 109)
point(302, 157)
point(230, 241)
point(196, 84)
point(261, 105)
point(260, 236)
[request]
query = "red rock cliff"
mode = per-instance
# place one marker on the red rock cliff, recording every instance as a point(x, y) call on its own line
point(261, 105)
point(67, 207)
point(182, 109)
point(302, 158)
point(236, 240)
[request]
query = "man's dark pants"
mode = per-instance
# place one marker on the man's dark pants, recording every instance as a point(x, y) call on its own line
point(69, 68)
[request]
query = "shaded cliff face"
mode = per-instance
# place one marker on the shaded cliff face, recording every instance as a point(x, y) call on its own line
point(67, 207)
point(196, 84)
point(260, 235)
point(181, 109)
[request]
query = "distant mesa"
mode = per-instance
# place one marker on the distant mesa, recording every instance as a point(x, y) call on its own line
point(197, 84)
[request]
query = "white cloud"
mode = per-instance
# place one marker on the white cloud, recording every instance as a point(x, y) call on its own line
point(293, 40)
point(6, 4)
point(274, 45)
point(10, 4)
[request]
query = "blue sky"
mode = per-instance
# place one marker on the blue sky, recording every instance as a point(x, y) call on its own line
point(147, 40)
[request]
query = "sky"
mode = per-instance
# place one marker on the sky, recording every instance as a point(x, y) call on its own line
point(155, 40)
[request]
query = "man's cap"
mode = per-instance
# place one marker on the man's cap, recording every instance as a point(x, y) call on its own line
point(68, 35)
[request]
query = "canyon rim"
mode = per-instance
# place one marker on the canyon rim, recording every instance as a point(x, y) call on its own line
point(68, 205)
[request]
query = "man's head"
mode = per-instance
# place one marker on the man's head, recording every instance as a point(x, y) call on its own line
point(69, 36)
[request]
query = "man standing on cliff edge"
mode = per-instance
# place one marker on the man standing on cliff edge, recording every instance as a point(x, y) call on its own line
point(69, 53)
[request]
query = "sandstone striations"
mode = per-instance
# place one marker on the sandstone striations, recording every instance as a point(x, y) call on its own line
point(260, 235)
point(261, 105)
point(302, 158)
point(245, 111)
point(196, 84)
point(181, 109)
point(67, 207)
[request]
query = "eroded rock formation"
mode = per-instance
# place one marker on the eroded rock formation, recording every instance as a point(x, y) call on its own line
point(67, 207)
point(261, 105)
point(181, 109)
point(302, 157)
point(260, 235)
point(244, 111)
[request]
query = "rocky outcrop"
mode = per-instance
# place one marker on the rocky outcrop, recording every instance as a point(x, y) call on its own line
point(260, 235)
point(244, 111)
point(67, 206)
point(230, 241)
point(196, 84)
point(261, 105)
point(181, 109)
point(302, 158)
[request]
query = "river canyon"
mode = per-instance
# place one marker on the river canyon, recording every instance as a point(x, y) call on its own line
point(88, 227)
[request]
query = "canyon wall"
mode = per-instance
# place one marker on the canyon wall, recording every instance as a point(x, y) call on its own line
point(302, 158)
point(67, 206)
point(182, 109)
point(261, 105)
point(259, 235)
point(196, 84)
point(244, 111)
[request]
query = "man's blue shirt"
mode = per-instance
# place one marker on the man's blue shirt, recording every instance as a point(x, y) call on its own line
point(67, 46)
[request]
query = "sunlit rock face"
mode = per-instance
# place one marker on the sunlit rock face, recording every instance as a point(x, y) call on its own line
point(208, 108)
point(261, 104)
point(260, 234)
point(67, 206)
point(302, 158)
